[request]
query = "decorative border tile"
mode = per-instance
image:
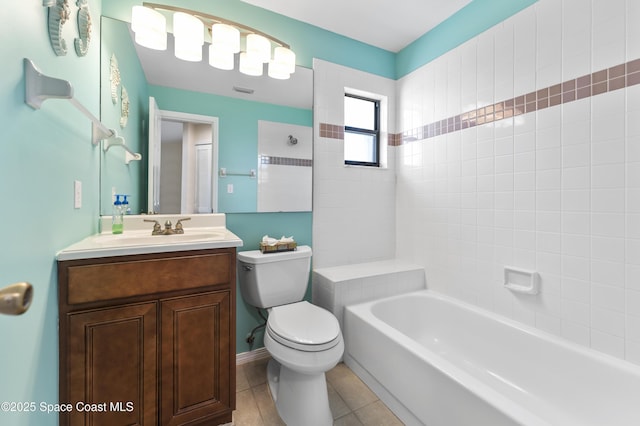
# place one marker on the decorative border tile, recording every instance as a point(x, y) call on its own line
point(395, 139)
point(332, 131)
point(285, 161)
point(607, 80)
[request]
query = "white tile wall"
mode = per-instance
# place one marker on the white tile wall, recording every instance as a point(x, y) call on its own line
point(557, 190)
point(353, 207)
point(340, 286)
point(284, 187)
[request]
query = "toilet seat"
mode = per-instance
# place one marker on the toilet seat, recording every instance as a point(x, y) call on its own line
point(304, 327)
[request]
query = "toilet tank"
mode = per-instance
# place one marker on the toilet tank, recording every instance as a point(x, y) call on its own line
point(274, 279)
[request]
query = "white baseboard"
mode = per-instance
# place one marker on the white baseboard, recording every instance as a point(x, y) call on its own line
point(245, 357)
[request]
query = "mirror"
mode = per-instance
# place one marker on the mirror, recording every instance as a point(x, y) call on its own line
point(181, 158)
point(237, 102)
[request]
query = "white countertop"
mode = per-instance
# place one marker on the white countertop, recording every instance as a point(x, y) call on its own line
point(202, 232)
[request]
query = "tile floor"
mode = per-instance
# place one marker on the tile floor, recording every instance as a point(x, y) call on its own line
point(352, 403)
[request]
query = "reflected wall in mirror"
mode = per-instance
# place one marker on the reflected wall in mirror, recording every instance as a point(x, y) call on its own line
point(120, 69)
point(195, 88)
point(285, 158)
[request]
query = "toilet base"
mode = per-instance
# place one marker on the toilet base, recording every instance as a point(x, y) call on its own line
point(301, 399)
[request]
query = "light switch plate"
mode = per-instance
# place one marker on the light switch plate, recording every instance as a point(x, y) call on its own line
point(77, 194)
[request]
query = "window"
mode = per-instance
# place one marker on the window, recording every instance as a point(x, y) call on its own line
point(361, 131)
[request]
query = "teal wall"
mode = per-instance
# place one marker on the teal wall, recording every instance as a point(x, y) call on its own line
point(312, 42)
point(250, 227)
point(306, 40)
point(468, 22)
point(42, 152)
point(238, 136)
point(238, 152)
point(125, 178)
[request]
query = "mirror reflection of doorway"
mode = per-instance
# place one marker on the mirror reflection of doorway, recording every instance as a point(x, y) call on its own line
point(182, 178)
point(185, 168)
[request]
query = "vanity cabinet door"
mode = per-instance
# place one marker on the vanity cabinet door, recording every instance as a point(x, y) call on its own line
point(148, 339)
point(196, 359)
point(112, 366)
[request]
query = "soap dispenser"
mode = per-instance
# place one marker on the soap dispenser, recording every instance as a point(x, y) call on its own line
point(117, 224)
point(125, 205)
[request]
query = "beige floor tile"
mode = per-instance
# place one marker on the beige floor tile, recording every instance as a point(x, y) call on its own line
point(338, 372)
point(338, 407)
point(348, 420)
point(241, 379)
point(377, 414)
point(267, 407)
point(352, 390)
point(247, 412)
point(351, 401)
point(256, 372)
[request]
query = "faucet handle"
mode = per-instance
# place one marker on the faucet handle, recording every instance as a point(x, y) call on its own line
point(179, 229)
point(156, 226)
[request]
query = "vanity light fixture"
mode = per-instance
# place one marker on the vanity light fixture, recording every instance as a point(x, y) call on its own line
point(150, 28)
point(250, 64)
point(259, 47)
point(149, 25)
point(221, 59)
point(283, 63)
point(189, 37)
point(225, 43)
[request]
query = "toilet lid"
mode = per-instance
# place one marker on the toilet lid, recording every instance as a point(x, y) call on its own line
point(304, 326)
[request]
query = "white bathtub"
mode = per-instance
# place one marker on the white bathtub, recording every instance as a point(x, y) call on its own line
point(441, 362)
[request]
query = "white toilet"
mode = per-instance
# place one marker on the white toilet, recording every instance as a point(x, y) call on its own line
point(304, 340)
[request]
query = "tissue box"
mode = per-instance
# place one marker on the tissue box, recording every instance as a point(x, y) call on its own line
point(279, 247)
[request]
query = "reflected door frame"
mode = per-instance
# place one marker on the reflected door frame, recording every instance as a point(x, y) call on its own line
point(156, 116)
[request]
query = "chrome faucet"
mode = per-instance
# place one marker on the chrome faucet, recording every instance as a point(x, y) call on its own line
point(157, 229)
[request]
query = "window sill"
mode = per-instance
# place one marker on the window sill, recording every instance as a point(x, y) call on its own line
point(357, 166)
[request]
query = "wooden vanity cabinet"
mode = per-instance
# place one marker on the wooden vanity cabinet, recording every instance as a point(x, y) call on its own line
point(148, 339)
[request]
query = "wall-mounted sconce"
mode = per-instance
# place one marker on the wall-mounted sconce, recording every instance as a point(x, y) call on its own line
point(149, 25)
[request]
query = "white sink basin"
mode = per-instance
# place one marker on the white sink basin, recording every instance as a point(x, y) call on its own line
point(137, 238)
point(204, 232)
